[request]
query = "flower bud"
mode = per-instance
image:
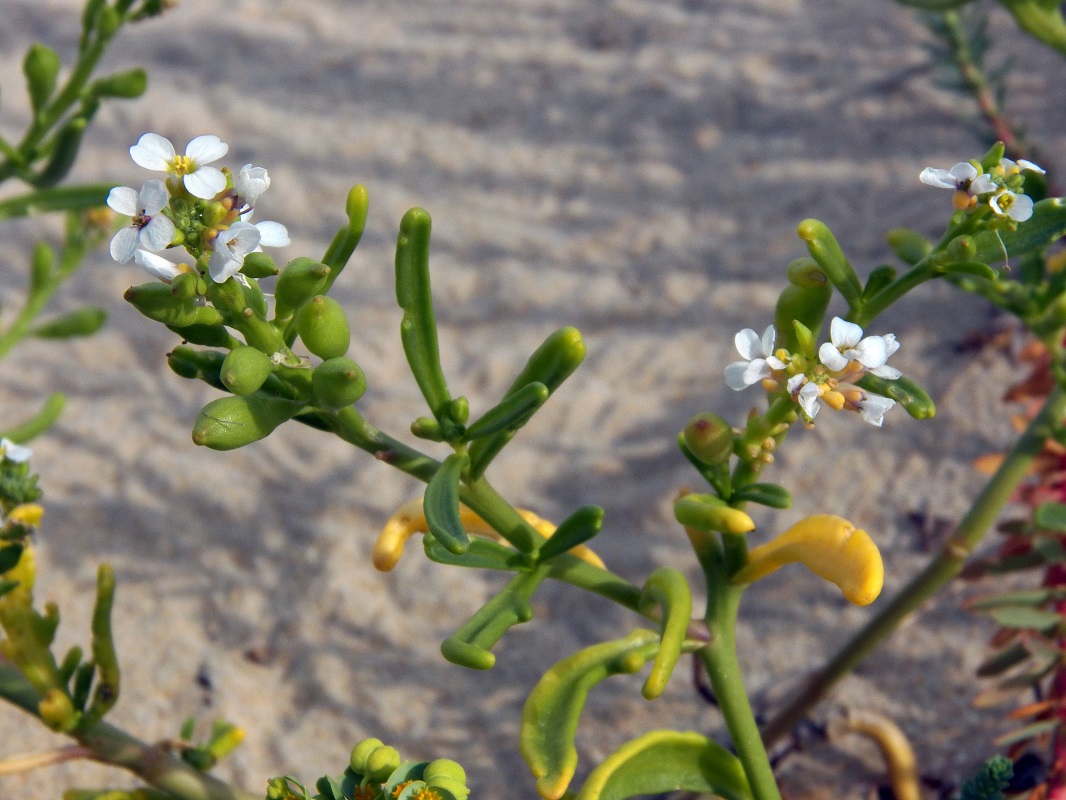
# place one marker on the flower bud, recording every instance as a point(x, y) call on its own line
point(805, 273)
point(127, 84)
point(300, 280)
point(323, 328)
point(57, 712)
point(156, 302)
point(824, 248)
point(361, 752)
point(381, 763)
point(707, 512)
point(259, 265)
point(204, 365)
point(337, 383)
point(41, 67)
point(962, 248)
point(232, 422)
point(245, 369)
point(83, 322)
point(909, 246)
point(444, 768)
point(709, 438)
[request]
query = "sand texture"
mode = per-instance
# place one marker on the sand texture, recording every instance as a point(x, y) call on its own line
point(635, 168)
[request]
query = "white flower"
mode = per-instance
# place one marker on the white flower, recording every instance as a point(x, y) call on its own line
point(1013, 168)
point(1019, 207)
point(963, 178)
point(805, 393)
point(159, 267)
point(155, 152)
point(760, 360)
point(148, 228)
point(251, 182)
point(14, 452)
point(872, 408)
point(229, 249)
point(272, 234)
point(847, 345)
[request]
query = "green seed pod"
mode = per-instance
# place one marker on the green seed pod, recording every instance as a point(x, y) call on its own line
point(186, 286)
point(41, 68)
point(909, 246)
point(300, 280)
point(156, 302)
point(229, 298)
point(127, 84)
point(245, 369)
point(83, 322)
point(255, 298)
point(361, 752)
point(457, 788)
point(382, 763)
point(962, 248)
point(207, 335)
point(806, 273)
point(337, 383)
point(879, 278)
point(204, 365)
point(41, 266)
point(709, 438)
point(231, 422)
point(64, 153)
point(806, 305)
point(444, 768)
point(259, 265)
point(826, 251)
point(323, 328)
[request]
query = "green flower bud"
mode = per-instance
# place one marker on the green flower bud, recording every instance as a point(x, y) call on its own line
point(323, 328)
point(128, 84)
point(826, 251)
point(962, 248)
point(909, 246)
point(302, 279)
point(186, 286)
point(259, 265)
point(459, 410)
point(232, 422)
point(57, 712)
point(337, 383)
point(709, 438)
point(83, 322)
point(41, 67)
point(156, 302)
point(245, 369)
point(444, 768)
point(204, 365)
point(427, 428)
point(382, 763)
point(361, 752)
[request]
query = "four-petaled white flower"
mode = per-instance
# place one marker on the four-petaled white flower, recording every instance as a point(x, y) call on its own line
point(847, 345)
point(760, 359)
point(1019, 207)
point(963, 178)
point(14, 452)
point(805, 393)
point(155, 152)
point(229, 249)
point(872, 408)
point(148, 229)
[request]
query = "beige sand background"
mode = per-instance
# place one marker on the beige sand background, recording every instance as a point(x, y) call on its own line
point(632, 167)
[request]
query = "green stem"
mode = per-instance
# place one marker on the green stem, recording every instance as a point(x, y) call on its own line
point(1043, 23)
point(63, 198)
point(942, 569)
point(111, 745)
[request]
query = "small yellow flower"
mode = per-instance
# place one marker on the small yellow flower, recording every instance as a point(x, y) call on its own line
point(829, 546)
point(409, 519)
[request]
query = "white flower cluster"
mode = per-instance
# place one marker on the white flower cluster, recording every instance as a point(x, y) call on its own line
point(152, 223)
point(842, 361)
point(14, 452)
point(969, 185)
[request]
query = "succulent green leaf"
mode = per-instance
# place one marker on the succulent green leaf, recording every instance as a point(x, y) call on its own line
point(347, 238)
point(766, 494)
point(470, 646)
point(576, 529)
point(1027, 732)
point(909, 246)
point(511, 412)
point(667, 761)
point(41, 68)
point(441, 504)
point(806, 305)
point(976, 269)
point(1025, 617)
point(9, 556)
point(824, 248)
point(483, 554)
point(126, 84)
point(39, 422)
point(553, 709)
point(1003, 660)
point(64, 153)
point(666, 589)
point(550, 364)
point(1047, 224)
point(105, 695)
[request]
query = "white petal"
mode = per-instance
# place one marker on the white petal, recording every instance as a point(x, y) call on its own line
point(14, 452)
point(844, 334)
point(241, 238)
point(887, 372)
point(748, 345)
point(963, 171)
point(775, 362)
point(272, 234)
point(205, 149)
point(873, 408)
point(741, 374)
point(1022, 208)
point(831, 357)
point(157, 234)
point(871, 352)
point(1029, 165)
point(205, 182)
point(124, 243)
point(940, 178)
point(795, 382)
point(251, 183)
point(157, 266)
point(223, 268)
point(152, 151)
point(768, 337)
point(982, 184)
point(123, 199)
point(808, 399)
point(890, 343)
point(153, 197)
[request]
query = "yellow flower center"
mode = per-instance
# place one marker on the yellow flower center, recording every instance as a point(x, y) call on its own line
point(182, 165)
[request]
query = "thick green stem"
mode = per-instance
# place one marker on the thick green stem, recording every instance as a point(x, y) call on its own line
point(110, 745)
point(942, 569)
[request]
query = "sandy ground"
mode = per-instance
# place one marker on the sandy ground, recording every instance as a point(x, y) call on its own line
point(635, 168)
